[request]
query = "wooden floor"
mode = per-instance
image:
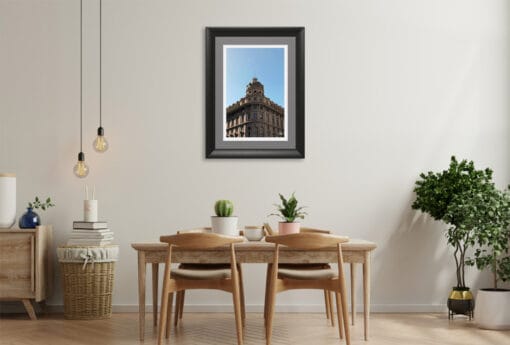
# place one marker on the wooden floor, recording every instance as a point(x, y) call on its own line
point(213, 328)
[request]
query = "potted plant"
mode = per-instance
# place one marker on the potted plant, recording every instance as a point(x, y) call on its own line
point(289, 211)
point(488, 212)
point(224, 223)
point(30, 219)
point(436, 194)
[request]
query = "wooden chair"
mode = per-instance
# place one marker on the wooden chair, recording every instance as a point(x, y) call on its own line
point(176, 280)
point(325, 279)
point(328, 299)
point(180, 295)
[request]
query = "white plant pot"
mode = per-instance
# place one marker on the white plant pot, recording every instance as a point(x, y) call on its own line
point(225, 226)
point(492, 309)
point(7, 200)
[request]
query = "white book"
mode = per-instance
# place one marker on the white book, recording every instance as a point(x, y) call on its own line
point(91, 231)
point(92, 235)
point(90, 225)
point(88, 242)
point(82, 237)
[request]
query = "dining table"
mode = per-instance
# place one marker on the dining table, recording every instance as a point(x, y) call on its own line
point(356, 251)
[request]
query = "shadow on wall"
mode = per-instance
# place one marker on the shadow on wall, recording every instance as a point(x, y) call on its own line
point(415, 267)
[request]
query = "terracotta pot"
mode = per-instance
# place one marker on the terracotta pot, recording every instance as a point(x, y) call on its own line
point(285, 228)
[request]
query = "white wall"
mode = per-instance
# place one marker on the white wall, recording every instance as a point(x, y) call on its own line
point(393, 88)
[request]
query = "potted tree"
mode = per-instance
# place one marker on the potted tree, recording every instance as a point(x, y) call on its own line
point(488, 212)
point(436, 194)
point(289, 211)
point(224, 223)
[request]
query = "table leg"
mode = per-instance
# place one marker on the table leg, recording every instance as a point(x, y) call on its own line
point(353, 292)
point(141, 293)
point(155, 269)
point(366, 292)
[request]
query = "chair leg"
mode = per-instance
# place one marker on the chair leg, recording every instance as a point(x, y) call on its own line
point(339, 308)
point(270, 312)
point(178, 297)
point(181, 307)
point(342, 308)
point(163, 313)
point(266, 297)
point(326, 302)
point(168, 315)
point(237, 309)
point(241, 287)
point(331, 309)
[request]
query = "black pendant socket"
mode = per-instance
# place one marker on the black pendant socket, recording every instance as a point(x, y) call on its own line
point(81, 156)
point(100, 131)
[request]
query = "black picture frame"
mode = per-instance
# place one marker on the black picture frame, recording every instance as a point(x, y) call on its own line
point(213, 150)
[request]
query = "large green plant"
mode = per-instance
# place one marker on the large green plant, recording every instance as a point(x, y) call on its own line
point(487, 211)
point(436, 193)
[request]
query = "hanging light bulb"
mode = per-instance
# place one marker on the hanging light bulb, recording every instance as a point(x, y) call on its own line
point(100, 143)
point(81, 169)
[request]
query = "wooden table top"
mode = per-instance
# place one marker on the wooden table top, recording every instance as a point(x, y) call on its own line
point(262, 246)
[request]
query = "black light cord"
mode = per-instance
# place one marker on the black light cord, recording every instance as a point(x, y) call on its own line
point(100, 63)
point(81, 76)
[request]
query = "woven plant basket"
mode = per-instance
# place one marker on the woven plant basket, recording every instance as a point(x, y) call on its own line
point(87, 290)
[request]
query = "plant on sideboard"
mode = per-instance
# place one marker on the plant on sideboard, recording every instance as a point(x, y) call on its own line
point(488, 212)
point(441, 195)
point(30, 219)
point(289, 211)
point(224, 223)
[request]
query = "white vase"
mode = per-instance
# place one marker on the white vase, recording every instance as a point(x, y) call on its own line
point(90, 210)
point(7, 200)
point(225, 225)
point(492, 309)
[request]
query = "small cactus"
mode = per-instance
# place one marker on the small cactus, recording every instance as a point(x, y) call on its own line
point(224, 208)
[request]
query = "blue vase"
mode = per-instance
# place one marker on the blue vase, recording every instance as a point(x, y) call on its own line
point(29, 220)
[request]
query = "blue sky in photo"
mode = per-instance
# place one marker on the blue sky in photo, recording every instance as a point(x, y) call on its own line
point(265, 64)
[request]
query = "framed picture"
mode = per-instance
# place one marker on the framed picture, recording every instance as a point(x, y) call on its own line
point(255, 92)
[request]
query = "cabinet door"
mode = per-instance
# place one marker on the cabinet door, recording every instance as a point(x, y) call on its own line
point(17, 276)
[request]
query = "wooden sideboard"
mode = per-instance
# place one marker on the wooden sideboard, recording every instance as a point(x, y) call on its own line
point(25, 265)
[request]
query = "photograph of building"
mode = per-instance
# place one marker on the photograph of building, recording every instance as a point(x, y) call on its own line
point(255, 115)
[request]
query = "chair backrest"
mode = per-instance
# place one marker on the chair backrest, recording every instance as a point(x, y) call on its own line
point(198, 240)
point(313, 230)
point(204, 230)
point(269, 230)
point(307, 240)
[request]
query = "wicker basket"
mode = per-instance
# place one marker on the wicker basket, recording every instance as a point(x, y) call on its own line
point(87, 290)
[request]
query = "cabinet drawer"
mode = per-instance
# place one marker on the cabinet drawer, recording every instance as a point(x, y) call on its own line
point(17, 276)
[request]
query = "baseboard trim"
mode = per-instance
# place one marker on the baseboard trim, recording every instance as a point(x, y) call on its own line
point(258, 308)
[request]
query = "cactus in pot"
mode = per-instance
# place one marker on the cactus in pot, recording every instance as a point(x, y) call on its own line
point(224, 223)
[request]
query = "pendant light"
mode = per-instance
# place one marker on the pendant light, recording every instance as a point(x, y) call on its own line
point(100, 144)
point(81, 169)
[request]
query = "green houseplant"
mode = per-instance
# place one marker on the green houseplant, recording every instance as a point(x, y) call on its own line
point(224, 223)
point(488, 212)
point(289, 211)
point(438, 194)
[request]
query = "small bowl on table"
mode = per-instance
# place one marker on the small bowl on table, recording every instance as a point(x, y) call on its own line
point(254, 233)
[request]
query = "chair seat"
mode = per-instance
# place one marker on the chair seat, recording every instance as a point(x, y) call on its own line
point(200, 274)
point(307, 274)
point(203, 266)
point(304, 266)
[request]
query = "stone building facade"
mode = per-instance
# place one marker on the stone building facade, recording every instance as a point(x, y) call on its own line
point(255, 115)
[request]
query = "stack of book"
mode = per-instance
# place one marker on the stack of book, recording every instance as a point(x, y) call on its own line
point(90, 234)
